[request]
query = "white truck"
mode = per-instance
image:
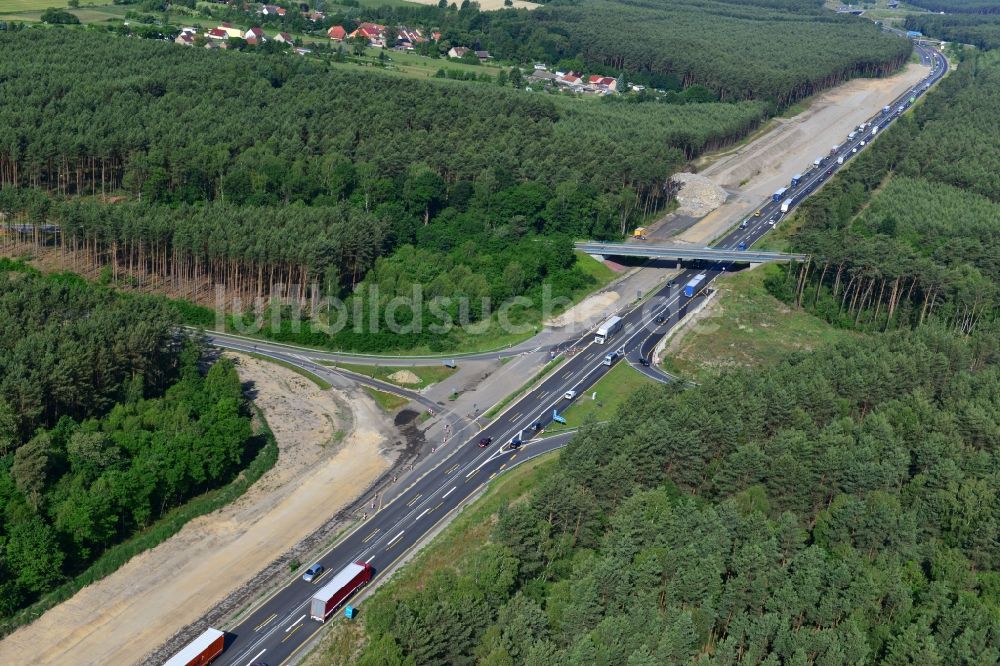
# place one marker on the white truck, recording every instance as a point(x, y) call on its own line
point(785, 205)
point(607, 330)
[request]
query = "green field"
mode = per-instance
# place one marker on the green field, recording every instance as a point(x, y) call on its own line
point(612, 390)
point(747, 327)
point(390, 402)
point(427, 374)
point(8, 6)
point(31, 11)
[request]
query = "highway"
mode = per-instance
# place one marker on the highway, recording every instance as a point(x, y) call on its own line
point(280, 626)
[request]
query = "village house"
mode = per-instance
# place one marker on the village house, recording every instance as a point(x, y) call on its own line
point(604, 82)
point(408, 37)
point(373, 32)
point(254, 35)
point(230, 30)
point(457, 52)
point(272, 10)
point(284, 38)
point(336, 33)
point(217, 34)
point(186, 37)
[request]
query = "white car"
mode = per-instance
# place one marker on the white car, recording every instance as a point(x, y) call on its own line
point(570, 395)
point(863, 143)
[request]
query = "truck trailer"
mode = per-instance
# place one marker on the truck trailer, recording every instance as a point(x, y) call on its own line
point(796, 179)
point(786, 205)
point(885, 110)
point(343, 585)
point(201, 650)
point(780, 193)
point(691, 287)
point(607, 330)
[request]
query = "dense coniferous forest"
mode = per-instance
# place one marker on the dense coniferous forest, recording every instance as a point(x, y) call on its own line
point(959, 6)
point(839, 508)
point(980, 31)
point(779, 50)
point(925, 243)
point(475, 189)
point(106, 423)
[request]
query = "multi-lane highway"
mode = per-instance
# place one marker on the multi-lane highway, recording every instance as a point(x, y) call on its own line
point(280, 625)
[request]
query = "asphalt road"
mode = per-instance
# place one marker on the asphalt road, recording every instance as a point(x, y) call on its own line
point(280, 626)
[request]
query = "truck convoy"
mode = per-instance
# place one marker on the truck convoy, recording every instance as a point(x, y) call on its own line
point(606, 330)
point(786, 205)
point(331, 595)
point(201, 650)
point(780, 193)
point(691, 287)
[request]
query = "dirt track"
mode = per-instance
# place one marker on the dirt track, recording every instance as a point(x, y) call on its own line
point(121, 618)
point(752, 172)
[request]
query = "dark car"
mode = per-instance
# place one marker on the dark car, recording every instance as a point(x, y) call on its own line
point(536, 426)
point(485, 441)
point(829, 171)
point(659, 319)
point(643, 361)
point(312, 573)
point(516, 443)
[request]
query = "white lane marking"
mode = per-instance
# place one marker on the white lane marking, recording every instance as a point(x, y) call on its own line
point(257, 656)
point(449, 492)
point(395, 538)
point(369, 560)
point(422, 514)
point(295, 623)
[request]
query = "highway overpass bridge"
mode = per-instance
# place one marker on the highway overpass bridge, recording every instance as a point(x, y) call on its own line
point(684, 252)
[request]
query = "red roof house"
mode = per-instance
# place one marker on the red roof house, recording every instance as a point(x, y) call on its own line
point(337, 33)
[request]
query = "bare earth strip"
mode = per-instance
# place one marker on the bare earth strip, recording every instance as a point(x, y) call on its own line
point(768, 162)
point(121, 618)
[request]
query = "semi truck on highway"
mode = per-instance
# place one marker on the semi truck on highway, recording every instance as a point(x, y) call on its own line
point(201, 650)
point(343, 585)
point(691, 287)
point(885, 110)
point(780, 193)
point(607, 330)
point(796, 179)
point(785, 205)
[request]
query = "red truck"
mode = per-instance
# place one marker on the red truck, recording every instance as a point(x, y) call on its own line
point(331, 595)
point(201, 650)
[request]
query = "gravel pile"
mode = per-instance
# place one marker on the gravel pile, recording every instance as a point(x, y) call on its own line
point(697, 195)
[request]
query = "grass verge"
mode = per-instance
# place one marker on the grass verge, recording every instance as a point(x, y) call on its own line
point(468, 531)
point(495, 409)
point(159, 532)
point(426, 374)
point(612, 390)
point(747, 327)
point(315, 379)
point(390, 402)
